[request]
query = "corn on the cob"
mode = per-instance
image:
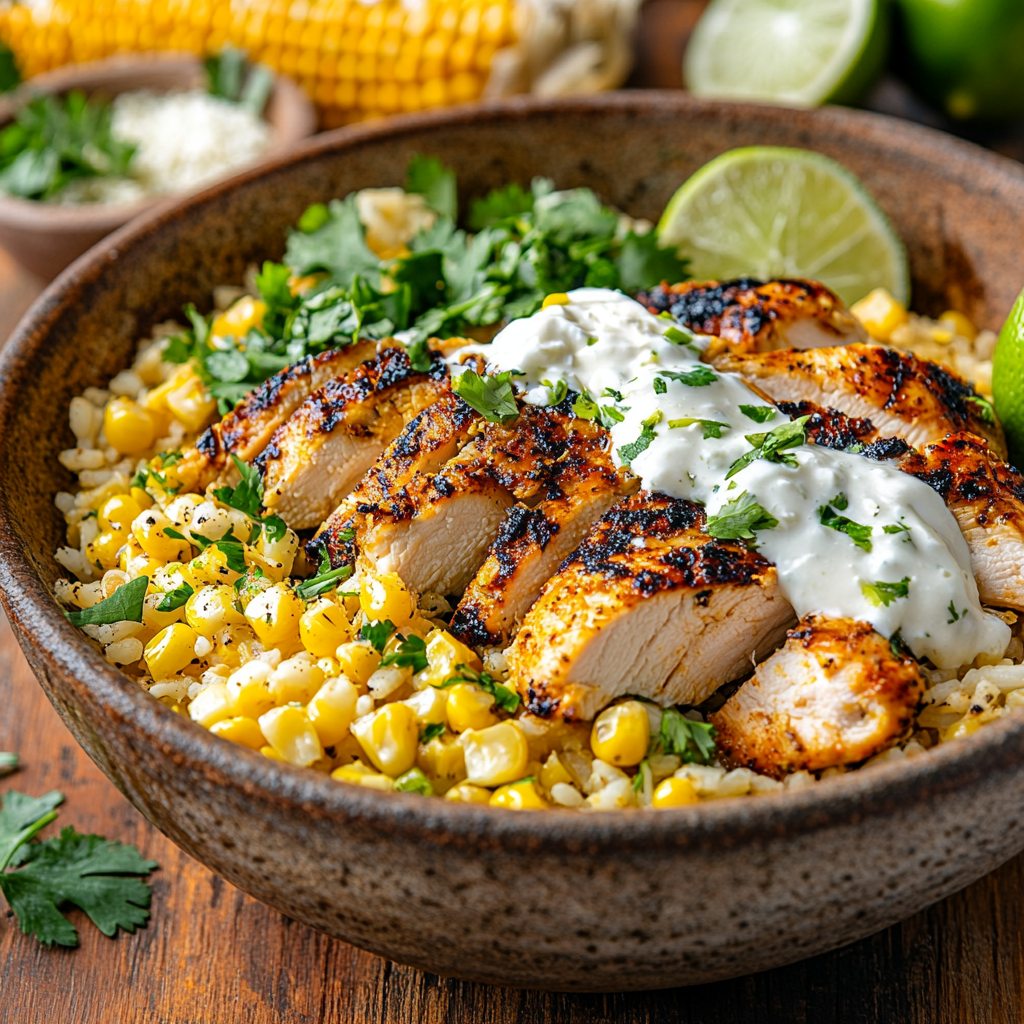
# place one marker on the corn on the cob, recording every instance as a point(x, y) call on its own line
point(356, 60)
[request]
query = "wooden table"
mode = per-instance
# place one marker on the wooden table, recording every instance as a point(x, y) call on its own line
point(212, 955)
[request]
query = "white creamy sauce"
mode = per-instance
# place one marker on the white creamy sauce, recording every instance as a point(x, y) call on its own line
point(916, 580)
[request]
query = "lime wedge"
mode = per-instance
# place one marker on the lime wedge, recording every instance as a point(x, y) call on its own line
point(770, 212)
point(1008, 380)
point(798, 52)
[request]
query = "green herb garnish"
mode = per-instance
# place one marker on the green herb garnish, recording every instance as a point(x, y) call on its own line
point(758, 413)
point(693, 741)
point(431, 731)
point(698, 377)
point(504, 698)
point(8, 762)
point(710, 428)
point(123, 605)
point(881, 593)
point(628, 452)
point(377, 633)
point(174, 599)
point(739, 519)
point(857, 532)
point(411, 653)
point(414, 781)
point(492, 397)
point(772, 445)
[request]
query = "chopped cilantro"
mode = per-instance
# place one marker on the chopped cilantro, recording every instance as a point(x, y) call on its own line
point(983, 408)
point(857, 532)
point(643, 260)
point(610, 416)
point(739, 519)
point(711, 428)
point(411, 653)
point(174, 599)
point(431, 731)
point(612, 393)
point(504, 698)
point(414, 781)
point(954, 615)
point(698, 377)
point(419, 356)
point(123, 605)
point(428, 177)
point(585, 407)
point(758, 413)
point(660, 387)
point(628, 452)
point(898, 646)
point(492, 397)
point(378, 633)
point(898, 528)
point(881, 593)
point(772, 445)
point(248, 495)
point(693, 741)
point(556, 390)
point(326, 579)
point(37, 878)
point(680, 336)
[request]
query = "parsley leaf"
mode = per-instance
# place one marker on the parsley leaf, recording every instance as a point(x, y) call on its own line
point(432, 731)
point(88, 871)
point(229, 545)
point(414, 781)
point(711, 428)
point(377, 633)
point(693, 741)
point(772, 445)
point(698, 377)
point(428, 177)
point(505, 698)
point(501, 204)
point(643, 260)
point(174, 599)
point(123, 605)
point(739, 518)
point(857, 532)
point(248, 495)
point(881, 593)
point(338, 246)
point(419, 356)
point(585, 407)
point(628, 452)
point(610, 416)
point(491, 396)
point(660, 387)
point(758, 413)
point(411, 653)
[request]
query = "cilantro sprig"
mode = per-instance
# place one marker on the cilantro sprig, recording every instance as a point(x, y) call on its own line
point(491, 396)
point(411, 653)
point(772, 446)
point(881, 593)
point(710, 428)
point(628, 452)
point(325, 579)
point(859, 533)
point(692, 741)
point(103, 878)
point(377, 633)
point(740, 518)
point(247, 498)
point(505, 698)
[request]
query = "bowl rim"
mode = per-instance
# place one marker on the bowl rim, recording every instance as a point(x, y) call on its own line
point(57, 648)
point(30, 214)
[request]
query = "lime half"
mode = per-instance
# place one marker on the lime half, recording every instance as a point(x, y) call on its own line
point(770, 212)
point(799, 52)
point(1008, 380)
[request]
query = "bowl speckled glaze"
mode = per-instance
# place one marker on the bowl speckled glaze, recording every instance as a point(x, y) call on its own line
point(558, 900)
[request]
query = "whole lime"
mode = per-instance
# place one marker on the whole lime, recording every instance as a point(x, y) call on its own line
point(1008, 380)
point(965, 56)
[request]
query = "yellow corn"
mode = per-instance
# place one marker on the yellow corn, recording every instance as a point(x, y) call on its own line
point(269, 752)
point(153, 619)
point(880, 314)
point(211, 706)
point(359, 775)
point(622, 734)
point(323, 627)
point(295, 679)
point(444, 652)
point(211, 609)
point(554, 772)
point(333, 709)
point(470, 707)
point(103, 548)
point(247, 688)
point(170, 650)
point(467, 793)
point(238, 319)
point(389, 737)
point(149, 530)
point(673, 792)
point(357, 660)
point(385, 596)
point(241, 730)
point(496, 755)
point(960, 324)
point(443, 761)
point(128, 427)
point(555, 299)
point(354, 60)
point(519, 796)
point(274, 615)
point(118, 513)
point(210, 567)
point(290, 732)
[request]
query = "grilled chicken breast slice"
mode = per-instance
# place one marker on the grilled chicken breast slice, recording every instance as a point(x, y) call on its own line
point(422, 448)
point(648, 604)
point(987, 497)
point(246, 430)
point(319, 454)
point(833, 694)
point(748, 316)
point(532, 542)
point(900, 394)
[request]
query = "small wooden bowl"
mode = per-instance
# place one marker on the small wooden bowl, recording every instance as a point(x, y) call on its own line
point(44, 237)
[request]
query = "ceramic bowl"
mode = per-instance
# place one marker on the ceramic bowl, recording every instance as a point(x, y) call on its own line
point(44, 237)
point(557, 900)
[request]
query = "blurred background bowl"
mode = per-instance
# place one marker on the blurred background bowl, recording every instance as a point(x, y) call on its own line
point(46, 237)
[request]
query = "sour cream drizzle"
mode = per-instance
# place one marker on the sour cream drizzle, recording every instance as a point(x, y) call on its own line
point(606, 344)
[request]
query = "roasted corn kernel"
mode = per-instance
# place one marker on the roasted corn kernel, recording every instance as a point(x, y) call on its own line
point(210, 706)
point(170, 650)
point(519, 796)
point(470, 707)
point(673, 792)
point(274, 615)
point(357, 660)
point(466, 793)
point(323, 627)
point(290, 732)
point(495, 755)
point(389, 736)
point(248, 690)
point(242, 730)
point(622, 734)
point(880, 314)
point(333, 709)
point(128, 427)
point(211, 609)
point(384, 596)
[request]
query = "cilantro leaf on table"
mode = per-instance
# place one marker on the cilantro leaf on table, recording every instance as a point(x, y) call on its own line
point(740, 518)
point(429, 177)
point(21, 817)
point(505, 698)
point(491, 396)
point(123, 605)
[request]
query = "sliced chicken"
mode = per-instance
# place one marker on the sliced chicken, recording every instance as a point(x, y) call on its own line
point(748, 316)
point(900, 394)
point(532, 542)
point(834, 694)
point(830, 427)
point(246, 430)
point(319, 454)
point(987, 497)
point(648, 604)
point(428, 441)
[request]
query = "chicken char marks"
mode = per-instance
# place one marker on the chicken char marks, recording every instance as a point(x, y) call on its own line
point(648, 604)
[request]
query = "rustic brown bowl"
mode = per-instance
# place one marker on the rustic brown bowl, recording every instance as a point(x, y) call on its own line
point(45, 238)
point(557, 900)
